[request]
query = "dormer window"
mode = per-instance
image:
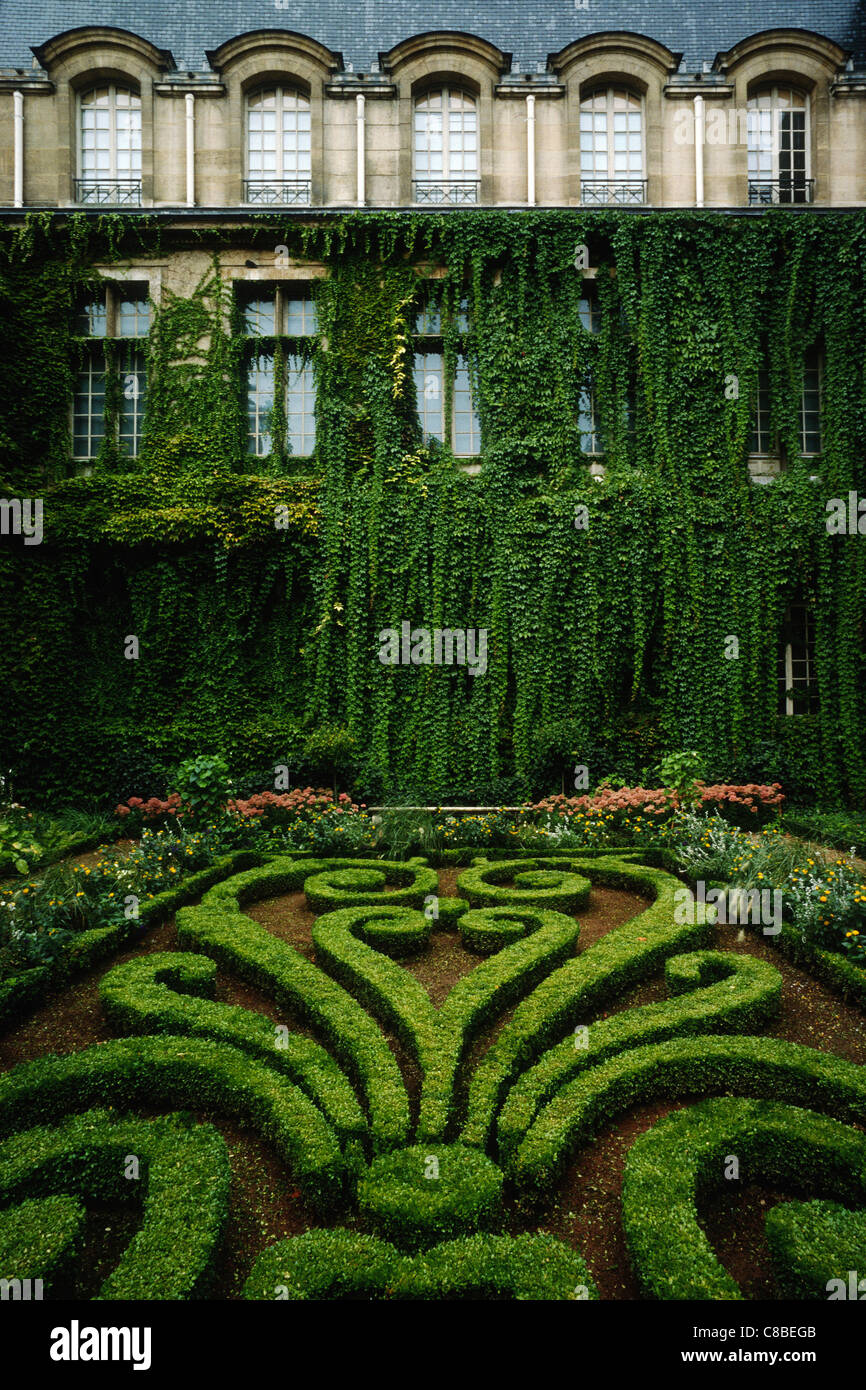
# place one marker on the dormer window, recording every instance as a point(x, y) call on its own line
point(278, 147)
point(612, 147)
point(446, 147)
point(109, 154)
point(778, 147)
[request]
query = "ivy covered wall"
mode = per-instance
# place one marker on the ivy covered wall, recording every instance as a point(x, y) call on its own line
point(607, 638)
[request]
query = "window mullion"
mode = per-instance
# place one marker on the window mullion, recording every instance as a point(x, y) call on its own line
point(789, 678)
point(112, 131)
point(278, 131)
point(608, 130)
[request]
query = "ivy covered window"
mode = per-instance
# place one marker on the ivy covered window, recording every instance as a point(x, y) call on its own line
point(588, 414)
point(798, 693)
point(764, 441)
point(591, 441)
point(778, 146)
point(611, 147)
point(278, 147)
point(430, 368)
point(445, 147)
point(109, 151)
point(111, 381)
point(281, 390)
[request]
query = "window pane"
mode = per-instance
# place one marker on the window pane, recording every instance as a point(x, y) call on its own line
point(88, 406)
point(760, 440)
point(133, 387)
point(301, 320)
point(445, 137)
point(260, 401)
point(590, 313)
point(133, 314)
point(590, 435)
point(467, 430)
point(259, 313)
point(429, 394)
point(300, 407)
point(91, 320)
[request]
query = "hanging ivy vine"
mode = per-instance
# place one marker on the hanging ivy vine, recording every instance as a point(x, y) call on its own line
point(257, 588)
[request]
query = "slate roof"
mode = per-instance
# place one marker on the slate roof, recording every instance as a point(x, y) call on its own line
point(361, 29)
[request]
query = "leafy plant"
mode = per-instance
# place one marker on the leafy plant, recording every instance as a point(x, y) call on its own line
point(203, 785)
point(682, 772)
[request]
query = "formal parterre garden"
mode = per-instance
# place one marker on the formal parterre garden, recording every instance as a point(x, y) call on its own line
point(284, 1047)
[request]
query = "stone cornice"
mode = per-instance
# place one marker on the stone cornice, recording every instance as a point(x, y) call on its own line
point(444, 41)
point(272, 41)
point(804, 41)
point(613, 45)
point(89, 37)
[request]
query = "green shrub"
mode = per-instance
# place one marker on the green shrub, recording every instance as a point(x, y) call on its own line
point(340, 1264)
point(531, 883)
point(813, 1243)
point(203, 786)
point(684, 1157)
point(429, 1193)
point(438, 1037)
point(682, 1066)
point(711, 992)
point(169, 992)
point(40, 1238)
point(219, 929)
point(357, 884)
point(623, 957)
point(157, 1071)
point(183, 1185)
point(449, 911)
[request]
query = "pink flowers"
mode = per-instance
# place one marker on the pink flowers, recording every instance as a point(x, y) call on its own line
point(661, 801)
point(147, 812)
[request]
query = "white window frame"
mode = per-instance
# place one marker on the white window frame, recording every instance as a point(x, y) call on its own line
point(610, 176)
point(300, 384)
point(814, 362)
point(116, 292)
point(286, 97)
point(805, 680)
point(83, 175)
point(776, 108)
point(448, 176)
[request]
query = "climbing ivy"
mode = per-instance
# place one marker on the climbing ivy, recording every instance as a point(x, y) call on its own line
point(257, 588)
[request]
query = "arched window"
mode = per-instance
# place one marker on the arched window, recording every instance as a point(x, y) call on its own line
point(278, 147)
point(109, 146)
point(446, 147)
point(777, 146)
point(611, 147)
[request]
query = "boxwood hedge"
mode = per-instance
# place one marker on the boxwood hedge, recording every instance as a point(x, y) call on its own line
point(685, 1156)
point(340, 1264)
point(182, 1183)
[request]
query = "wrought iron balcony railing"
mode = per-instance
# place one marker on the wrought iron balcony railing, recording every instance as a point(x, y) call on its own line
point(597, 191)
point(613, 191)
point(446, 190)
point(108, 192)
point(763, 192)
point(282, 192)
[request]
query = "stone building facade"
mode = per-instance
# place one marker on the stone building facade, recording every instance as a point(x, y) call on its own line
point(107, 116)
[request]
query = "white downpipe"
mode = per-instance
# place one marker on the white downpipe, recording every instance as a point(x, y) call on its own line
point(190, 150)
point(530, 149)
point(18, 122)
point(699, 152)
point(361, 142)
